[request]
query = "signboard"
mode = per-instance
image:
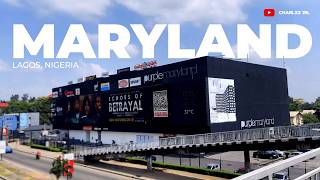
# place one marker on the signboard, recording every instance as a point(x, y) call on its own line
point(135, 81)
point(24, 121)
point(68, 156)
point(90, 78)
point(2, 147)
point(105, 86)
point(127, 69)
point(125, 105)
point(145, 65)
point(9, 121)
point(123, 83)
point(4, 104)
point(222, 100)
point(105, 74)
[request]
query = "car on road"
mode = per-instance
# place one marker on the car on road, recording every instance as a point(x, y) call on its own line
point(9, 149)
point(280, 176)
point(295, 153)
point(213, 166)
point(266, 154)
point(280, 153)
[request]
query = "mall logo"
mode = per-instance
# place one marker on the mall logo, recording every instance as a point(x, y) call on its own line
point(135, 81)
point(176, 73)
point(252, 123)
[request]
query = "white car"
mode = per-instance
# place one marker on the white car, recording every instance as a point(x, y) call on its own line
point(213, 166)
point(280, 176)
point(280, 153)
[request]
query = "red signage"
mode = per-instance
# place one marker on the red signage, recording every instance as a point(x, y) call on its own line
point(68, 93)
point(146, 65)
point(87, 128)
point(4, 104)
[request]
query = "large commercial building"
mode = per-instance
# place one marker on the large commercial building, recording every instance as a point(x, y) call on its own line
point(195, 96)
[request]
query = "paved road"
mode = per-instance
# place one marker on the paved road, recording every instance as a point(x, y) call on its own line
point(43, 165)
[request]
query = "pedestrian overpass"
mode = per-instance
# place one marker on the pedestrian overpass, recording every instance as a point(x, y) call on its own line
point(279, 137)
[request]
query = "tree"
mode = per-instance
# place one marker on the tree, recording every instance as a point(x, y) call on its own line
point(14, 97)
point(306, 106)
point(317, 103)
point(310, 118)
point(293, 106)
point(57, 167)
point(41, 105)
point(61, 167)
point(25, 97)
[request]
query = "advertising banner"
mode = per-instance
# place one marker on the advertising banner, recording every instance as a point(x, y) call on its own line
point(105, 86)
point(9, 121)
point(125, 107)
point(222, 100)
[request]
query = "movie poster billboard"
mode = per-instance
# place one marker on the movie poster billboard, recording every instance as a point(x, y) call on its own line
point(222, 100)
point(160, 103)
point(125, 107)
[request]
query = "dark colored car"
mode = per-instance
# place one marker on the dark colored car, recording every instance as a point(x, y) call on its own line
point(266, 154)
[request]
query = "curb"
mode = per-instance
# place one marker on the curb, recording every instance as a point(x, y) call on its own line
point(90, 167)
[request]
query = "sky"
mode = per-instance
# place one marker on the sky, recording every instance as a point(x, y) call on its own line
point(194, 16)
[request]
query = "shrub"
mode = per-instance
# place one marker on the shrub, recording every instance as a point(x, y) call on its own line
point(38, 146)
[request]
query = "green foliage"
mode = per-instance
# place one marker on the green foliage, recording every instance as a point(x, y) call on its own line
point(38, 146)
point(317, 103)
point(41, 105)
point(310, 118)
point(217, 173)
point(59, 167)
point(293, 107)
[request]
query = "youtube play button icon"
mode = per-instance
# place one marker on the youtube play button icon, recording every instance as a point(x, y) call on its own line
point(268, 12)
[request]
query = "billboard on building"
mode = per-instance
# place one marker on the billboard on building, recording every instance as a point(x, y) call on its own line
point(9, 121)
point(222, 100)
point(23, 121)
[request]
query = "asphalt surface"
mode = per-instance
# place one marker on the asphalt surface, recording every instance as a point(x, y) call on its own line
point(43, 165)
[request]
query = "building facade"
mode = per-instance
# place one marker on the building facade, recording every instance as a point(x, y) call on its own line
point(201, 95)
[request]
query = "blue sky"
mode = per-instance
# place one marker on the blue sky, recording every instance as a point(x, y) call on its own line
point(193, 15)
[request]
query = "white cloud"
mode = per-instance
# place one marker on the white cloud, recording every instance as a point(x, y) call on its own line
point(81, 9)
point(88, 69)
point(133, 50)
point(13, 2)
point(195, 11)
point(4, 66)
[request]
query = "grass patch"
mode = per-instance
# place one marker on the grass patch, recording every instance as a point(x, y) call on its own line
point(216, 173)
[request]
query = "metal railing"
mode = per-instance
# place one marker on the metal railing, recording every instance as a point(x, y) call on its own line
point(259, 134)
point(312, 175)
point(268, 171)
